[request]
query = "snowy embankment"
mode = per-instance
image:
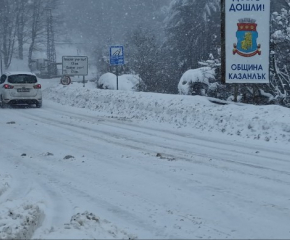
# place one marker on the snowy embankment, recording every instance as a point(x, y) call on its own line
point(265, 123)
point(18, 220)
point(4, 183)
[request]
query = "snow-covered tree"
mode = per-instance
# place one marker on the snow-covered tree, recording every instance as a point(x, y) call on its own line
point(8, 20)
point(280, 44)
point(143, 57)
point(193, 31)
point(22, 22)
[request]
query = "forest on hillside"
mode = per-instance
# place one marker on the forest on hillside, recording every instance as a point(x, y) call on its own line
point(162, 39)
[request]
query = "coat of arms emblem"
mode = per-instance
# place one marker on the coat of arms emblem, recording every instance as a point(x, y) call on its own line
point(247, 38)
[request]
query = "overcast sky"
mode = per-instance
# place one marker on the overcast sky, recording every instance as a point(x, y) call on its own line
point(110, 20)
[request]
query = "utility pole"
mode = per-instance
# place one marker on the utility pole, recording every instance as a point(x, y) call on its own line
point(51, 53)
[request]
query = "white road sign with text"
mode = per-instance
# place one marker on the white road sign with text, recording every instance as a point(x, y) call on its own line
point(75, 65)
point(247, 41)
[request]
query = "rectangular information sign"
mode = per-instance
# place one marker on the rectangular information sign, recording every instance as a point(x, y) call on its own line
point(247, 41)
point(75, 65)
point(117, 55)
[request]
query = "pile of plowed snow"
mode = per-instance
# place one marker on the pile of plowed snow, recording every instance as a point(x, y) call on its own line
point(266, 123)
point(19, 222)
point(4, 183)
point(86, 226)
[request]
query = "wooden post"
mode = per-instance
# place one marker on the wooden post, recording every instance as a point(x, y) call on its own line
point(223, 41)
point(236, 90)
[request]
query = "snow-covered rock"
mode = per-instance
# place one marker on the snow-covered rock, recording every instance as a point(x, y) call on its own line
point(126, 82)
point(201, 76)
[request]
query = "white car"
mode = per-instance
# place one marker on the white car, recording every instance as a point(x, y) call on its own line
point(20, 88)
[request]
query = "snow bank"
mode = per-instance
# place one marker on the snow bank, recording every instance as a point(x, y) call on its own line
point(18, 219)
point(125, 82)
point(87, 226)
point(265, 123)
point(4, 183)
point(19, 222)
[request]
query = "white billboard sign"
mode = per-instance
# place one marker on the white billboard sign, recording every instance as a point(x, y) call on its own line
point(75, 65)
point(247, 41)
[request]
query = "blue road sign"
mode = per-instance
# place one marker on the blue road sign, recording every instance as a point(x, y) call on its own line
point(117, 55)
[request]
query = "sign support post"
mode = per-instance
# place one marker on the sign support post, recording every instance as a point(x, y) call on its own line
point(117, 58)
point(117, 77)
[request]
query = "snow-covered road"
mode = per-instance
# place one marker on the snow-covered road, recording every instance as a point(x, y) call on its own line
point(82, 175)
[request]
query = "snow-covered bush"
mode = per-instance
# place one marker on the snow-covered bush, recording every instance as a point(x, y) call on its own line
point(280, 46)
point(126, 82)
point(196, 81)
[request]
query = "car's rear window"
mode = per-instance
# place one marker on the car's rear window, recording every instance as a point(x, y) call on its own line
point(22, 78)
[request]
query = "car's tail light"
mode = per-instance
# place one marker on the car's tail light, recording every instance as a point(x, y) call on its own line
point(7, 86)
point(38, 86)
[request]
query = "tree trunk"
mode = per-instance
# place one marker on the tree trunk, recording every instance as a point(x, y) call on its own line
point(35, 22)
point(20, 27)
point(8, 32)
point(236, 90)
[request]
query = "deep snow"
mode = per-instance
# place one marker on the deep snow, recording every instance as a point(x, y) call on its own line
point(126, 82)
point(120, 164)
point(261, 123)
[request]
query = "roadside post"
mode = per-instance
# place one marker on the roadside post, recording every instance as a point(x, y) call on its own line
point(75, 66)
point(116, 59)
point(245, 34)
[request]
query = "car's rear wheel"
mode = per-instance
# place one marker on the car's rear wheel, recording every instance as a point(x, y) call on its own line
point(38, 105)
point(3, 104)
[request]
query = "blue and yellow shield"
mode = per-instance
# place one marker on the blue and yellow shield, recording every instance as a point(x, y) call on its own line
point(247, 36)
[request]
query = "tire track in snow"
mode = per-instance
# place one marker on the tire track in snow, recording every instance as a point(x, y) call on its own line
point(147, 146)
point(131, 126)
point(170, 151)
